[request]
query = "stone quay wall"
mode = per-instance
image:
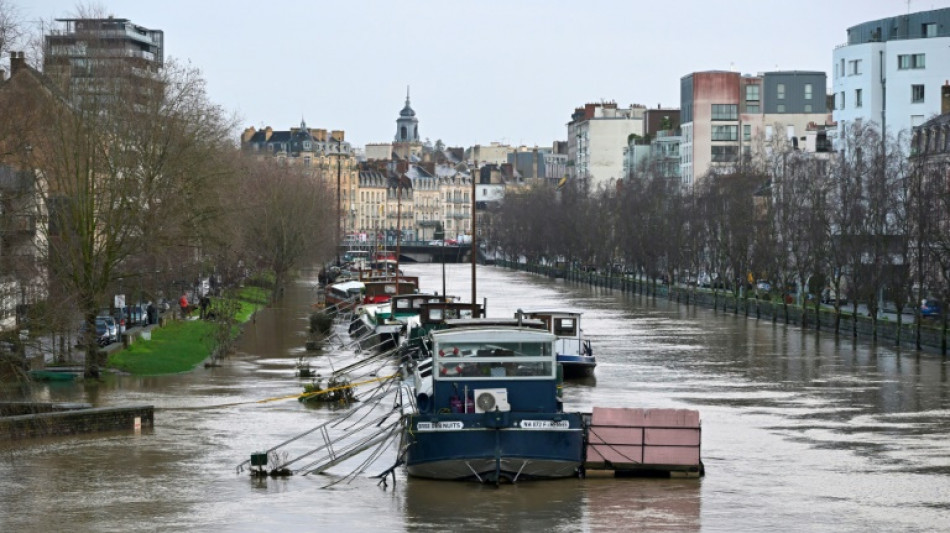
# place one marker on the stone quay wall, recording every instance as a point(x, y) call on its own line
point(53, 422)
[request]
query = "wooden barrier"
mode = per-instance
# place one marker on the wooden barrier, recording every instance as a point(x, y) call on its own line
point(630, 441)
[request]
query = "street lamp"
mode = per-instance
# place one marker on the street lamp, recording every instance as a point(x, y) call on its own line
point(339, 203)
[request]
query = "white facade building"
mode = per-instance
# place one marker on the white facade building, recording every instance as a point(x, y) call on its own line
point(596, 138)
point(891, 70)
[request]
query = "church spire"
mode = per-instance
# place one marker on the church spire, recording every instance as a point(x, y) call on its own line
point(407, 125)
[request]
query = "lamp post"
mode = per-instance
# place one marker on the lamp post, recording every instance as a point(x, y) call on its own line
point(474, 256)
point(339, 203)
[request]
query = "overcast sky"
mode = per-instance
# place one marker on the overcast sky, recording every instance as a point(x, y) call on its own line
point(479, 71)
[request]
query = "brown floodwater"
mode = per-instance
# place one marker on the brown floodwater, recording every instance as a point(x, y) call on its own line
point(800, 432)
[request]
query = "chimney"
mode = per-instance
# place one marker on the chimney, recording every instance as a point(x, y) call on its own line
point(945, 98)
point(16, 62)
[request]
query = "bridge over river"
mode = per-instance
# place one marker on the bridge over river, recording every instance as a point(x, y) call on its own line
point(423, 252)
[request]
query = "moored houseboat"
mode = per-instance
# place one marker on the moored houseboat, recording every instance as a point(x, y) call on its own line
point(488, 407)
point(574, 352)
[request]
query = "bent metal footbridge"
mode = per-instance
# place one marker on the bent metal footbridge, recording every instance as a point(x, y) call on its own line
point(422, 252)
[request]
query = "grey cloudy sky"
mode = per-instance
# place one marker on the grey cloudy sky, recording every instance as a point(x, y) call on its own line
point(480, 71)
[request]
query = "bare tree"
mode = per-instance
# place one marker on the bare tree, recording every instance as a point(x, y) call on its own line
point(12, 30)
point(286, 217)
point(125, 165)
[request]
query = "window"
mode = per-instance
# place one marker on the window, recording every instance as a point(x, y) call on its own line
point(857, 98)
point(752, 108)
point(929, 29)
point(780, 91)
point(746, 132)
point(841, 100)
point(808, 108)
point(781, 108)
point(808, 91)
point(910, 61)
point(752, 92)
point(916, 94)
point(854, 67)
point(724, 133)
point(565, 326)
point(842, 67)
point(725, 112)
point(725, 154)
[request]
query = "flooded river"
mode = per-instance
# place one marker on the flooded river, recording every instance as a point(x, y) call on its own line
point(800, 432)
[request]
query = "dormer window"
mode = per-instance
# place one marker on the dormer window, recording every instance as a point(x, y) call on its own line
point(307, 145)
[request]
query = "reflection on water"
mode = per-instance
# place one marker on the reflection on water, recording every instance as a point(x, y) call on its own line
point(800, 431)
point(548, 506)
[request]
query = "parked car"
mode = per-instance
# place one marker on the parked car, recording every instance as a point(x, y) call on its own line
point(107, 327)
point(103, 338)
point(929, 308)
point(763, 285)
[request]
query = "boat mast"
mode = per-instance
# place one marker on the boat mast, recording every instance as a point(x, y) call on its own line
point(474, 256)
point(399, 223)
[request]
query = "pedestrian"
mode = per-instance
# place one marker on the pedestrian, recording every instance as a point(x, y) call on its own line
point(183, 304)
point(203, 307)
point(151, 312)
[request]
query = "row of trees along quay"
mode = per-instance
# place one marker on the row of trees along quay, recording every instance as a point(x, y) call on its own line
point(131, 181)
point(870, 219)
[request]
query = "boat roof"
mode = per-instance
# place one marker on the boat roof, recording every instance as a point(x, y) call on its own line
point(347, 285)
point(543, 311)
point(486, 322)
point(492, 332)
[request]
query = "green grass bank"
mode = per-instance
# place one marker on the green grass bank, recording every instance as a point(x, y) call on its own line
point(182, 345)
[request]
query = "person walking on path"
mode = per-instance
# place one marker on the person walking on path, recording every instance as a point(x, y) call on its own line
point(204, 303)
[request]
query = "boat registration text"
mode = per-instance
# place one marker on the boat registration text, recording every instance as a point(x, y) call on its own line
point(440, 426)
point(545, 424)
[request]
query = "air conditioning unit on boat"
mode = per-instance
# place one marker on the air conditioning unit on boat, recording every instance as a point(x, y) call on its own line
point(488, 400)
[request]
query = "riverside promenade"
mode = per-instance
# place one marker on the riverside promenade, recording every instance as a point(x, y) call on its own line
point(886, 329)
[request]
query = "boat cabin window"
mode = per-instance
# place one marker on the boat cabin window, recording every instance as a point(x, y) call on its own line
point(355, 255)
point(403, 304)
point(565, 327)
point(493, 361)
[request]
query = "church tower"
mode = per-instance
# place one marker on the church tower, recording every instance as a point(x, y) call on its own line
point(407, 132)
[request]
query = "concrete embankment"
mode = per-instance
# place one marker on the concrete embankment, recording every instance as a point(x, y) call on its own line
point(32, 420)
point(932, 335)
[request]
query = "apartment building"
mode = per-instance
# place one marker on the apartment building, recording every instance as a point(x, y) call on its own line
point(726, 116)
point(537, 165)
point(890, 71)
point(92, 56)
point(325, 155)
point(596, 137)
point(495, 153)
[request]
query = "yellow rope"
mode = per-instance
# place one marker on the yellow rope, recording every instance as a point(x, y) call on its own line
point(334, 389)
